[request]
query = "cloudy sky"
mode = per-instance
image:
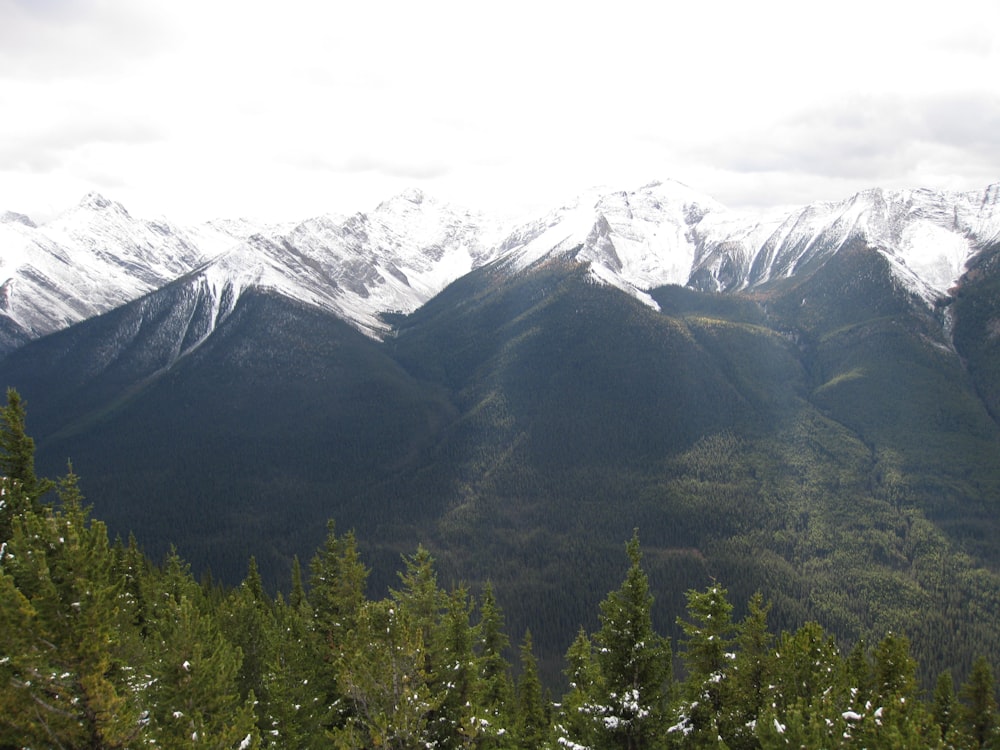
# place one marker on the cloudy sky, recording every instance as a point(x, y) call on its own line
point(196, 109)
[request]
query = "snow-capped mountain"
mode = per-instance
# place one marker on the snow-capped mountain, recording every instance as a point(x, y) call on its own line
point(666, 233)
point(635, 240)
point(89, 260)
point(96, 256)
point(390, 260)
point(928, 237)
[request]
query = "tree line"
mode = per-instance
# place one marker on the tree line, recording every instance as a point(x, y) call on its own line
point(100, 647)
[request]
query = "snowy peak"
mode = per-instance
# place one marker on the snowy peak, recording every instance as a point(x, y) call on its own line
point(928, 237)
point(96, 202)
point(88, 260)
point(391, 260)
point(12, 217)
point(635, 240)
point(96, 256)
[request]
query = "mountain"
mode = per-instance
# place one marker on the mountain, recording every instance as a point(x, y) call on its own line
point(391, 260)
point(88, 260)
point(667, 233)
point(804, 404)
point(96, 257)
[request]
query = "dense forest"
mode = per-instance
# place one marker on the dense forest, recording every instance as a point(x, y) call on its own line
point(100, 647)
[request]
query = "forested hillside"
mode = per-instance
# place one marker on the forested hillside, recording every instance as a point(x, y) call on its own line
point(824, 440)
point(103, 648)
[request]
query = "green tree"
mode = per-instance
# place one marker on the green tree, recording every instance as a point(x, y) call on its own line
point(978, 712)
point(944, 706)
point(20, 488)
point(808, 700)
point(382, 678)
point(532, 724)
point(455, 721)
point(497, 690)
point(708, 656)
point(63, 681)
point(337, 586)
point(893, 717)
point(747, 689)
point(634, 662)
point(192, 671)
point(336, 597)
point(247, 621)
point(579, 725)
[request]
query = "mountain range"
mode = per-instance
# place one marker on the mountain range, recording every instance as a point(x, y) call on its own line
point(803, 402)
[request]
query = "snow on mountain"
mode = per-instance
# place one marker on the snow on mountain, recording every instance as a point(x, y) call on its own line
point(392, 259)
point(927, 236)
point(96, 256)
point(666, 233)
point(86, 261)
point(634, 240)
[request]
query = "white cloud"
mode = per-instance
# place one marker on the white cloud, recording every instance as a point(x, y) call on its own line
point(284, 110)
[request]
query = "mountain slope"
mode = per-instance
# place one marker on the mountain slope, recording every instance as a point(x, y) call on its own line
point(389, 261)
point(822, 430)
point(87, 261)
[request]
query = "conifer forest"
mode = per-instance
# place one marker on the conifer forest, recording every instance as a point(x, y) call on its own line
point(101, 647)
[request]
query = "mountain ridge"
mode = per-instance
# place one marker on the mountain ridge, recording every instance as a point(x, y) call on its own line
point(96, 256)
point(822, 435)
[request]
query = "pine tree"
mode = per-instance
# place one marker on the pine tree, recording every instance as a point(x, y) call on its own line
point(193, 688)
point(634, 662)
point(579, 725)
point(336, 596)
point(382, 679)
point(532, 725)
point(747, 691)
point(337, 586)
point(494, 673)
point(20, 488)
point(64, 681)
point(247, 621)
point(944, 707)
point(455, 679)
point(808, 701)
point(978, 711)
point(708, 655)
point(894, 717)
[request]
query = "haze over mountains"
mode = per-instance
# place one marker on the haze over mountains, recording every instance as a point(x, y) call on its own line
point(804, 402)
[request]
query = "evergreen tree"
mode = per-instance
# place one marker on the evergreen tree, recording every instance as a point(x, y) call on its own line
point(532, 725)
point(634, 662)
point(337, 586)
point(383, 680)
point(455, 680)
point(494, 673)
point(17, 449)
point(748, 687)
point(579, 725)
point(297, 596)
point(63, 679)
point(708, 655)
point(423, 602)
point(944, 707)
point(247, 621)
point(194, 693)
point(291, 715)
point(978, 711)
point(336, 597)
point(893, 717)
point(809, 697)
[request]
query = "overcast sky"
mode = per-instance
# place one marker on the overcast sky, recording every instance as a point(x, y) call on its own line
point(195, 109)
